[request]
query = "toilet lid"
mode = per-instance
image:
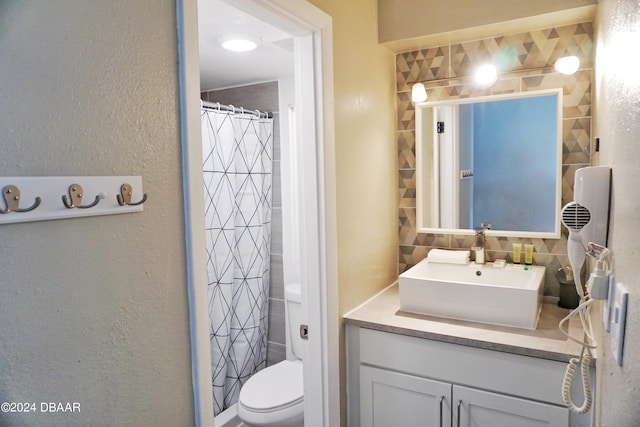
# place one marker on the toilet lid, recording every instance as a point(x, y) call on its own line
point(273, 388)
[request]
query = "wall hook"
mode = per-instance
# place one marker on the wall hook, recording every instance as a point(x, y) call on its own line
point(124, 198)
point(75, 194)
point(11, 195)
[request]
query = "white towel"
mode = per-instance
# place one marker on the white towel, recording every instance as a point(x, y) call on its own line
point(448, 257)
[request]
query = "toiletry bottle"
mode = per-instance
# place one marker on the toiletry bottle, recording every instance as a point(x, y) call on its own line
point(528, 254)
point(517, 252)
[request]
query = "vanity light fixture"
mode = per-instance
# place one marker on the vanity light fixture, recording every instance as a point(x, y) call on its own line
point(238, 42)
point(485, 75)
point(567, 64)
point(418, 93)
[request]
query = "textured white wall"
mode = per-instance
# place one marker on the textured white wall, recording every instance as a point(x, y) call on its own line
point(94, 310)
point(365, 152)
point(618, 126)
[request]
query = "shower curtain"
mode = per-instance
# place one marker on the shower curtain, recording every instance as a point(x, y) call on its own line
point(237, 162)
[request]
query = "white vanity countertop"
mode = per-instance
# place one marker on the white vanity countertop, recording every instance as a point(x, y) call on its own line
point(382, 313)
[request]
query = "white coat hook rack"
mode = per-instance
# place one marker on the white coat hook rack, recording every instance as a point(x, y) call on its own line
point(57, 197)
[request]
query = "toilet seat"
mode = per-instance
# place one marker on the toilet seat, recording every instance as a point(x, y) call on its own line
point(275, 388)
point(274, 397)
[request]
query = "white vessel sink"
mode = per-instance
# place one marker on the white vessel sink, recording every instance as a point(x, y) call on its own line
point(509, 296)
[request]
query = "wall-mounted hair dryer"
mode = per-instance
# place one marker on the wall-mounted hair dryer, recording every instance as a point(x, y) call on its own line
point(591, 203)
point(587, 217)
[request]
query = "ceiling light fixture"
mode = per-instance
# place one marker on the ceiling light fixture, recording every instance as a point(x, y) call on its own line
point(567, 65)
point(418, 93)
point(238, 42)
point(485, 75)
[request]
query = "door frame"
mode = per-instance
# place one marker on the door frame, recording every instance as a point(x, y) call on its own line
point(313, 59)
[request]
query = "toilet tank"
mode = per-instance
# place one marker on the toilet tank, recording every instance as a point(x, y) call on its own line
point(293, 313)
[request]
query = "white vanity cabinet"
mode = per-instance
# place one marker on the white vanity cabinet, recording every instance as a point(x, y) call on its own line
point(389, 398)
point(398, 380)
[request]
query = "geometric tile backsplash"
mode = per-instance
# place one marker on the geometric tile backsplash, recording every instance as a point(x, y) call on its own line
point(525, 61)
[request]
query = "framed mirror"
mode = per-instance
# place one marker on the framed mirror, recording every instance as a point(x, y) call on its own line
point(490, 160)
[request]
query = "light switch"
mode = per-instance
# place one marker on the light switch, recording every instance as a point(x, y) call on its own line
point(618, 319)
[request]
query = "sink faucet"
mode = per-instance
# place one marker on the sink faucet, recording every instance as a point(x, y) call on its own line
point(478, 247)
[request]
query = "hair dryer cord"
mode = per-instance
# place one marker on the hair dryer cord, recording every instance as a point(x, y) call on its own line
point(585, 362)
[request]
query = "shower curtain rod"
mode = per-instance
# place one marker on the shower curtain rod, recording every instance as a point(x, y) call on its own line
point(231, 108)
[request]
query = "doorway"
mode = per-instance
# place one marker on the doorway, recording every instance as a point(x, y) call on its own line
point(315, 197)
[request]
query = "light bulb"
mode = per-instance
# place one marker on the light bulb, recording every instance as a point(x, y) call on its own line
point(567, 65)
point(418, 93)
point(485, 75)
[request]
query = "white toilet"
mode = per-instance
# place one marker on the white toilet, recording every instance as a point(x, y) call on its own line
point(274, 396)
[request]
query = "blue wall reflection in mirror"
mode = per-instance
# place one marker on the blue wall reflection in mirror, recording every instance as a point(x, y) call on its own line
point(513, 170)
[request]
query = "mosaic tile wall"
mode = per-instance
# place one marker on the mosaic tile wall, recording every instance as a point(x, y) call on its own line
point(526, 63)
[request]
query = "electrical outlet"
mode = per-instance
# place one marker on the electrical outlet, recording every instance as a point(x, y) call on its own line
point(606, 306)
point(618, 319)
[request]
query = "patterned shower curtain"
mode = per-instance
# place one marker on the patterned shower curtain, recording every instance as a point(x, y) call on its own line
point(237, 162)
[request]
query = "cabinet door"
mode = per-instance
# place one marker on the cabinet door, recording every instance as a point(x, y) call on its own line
point(392, 399)
point(476, 408)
